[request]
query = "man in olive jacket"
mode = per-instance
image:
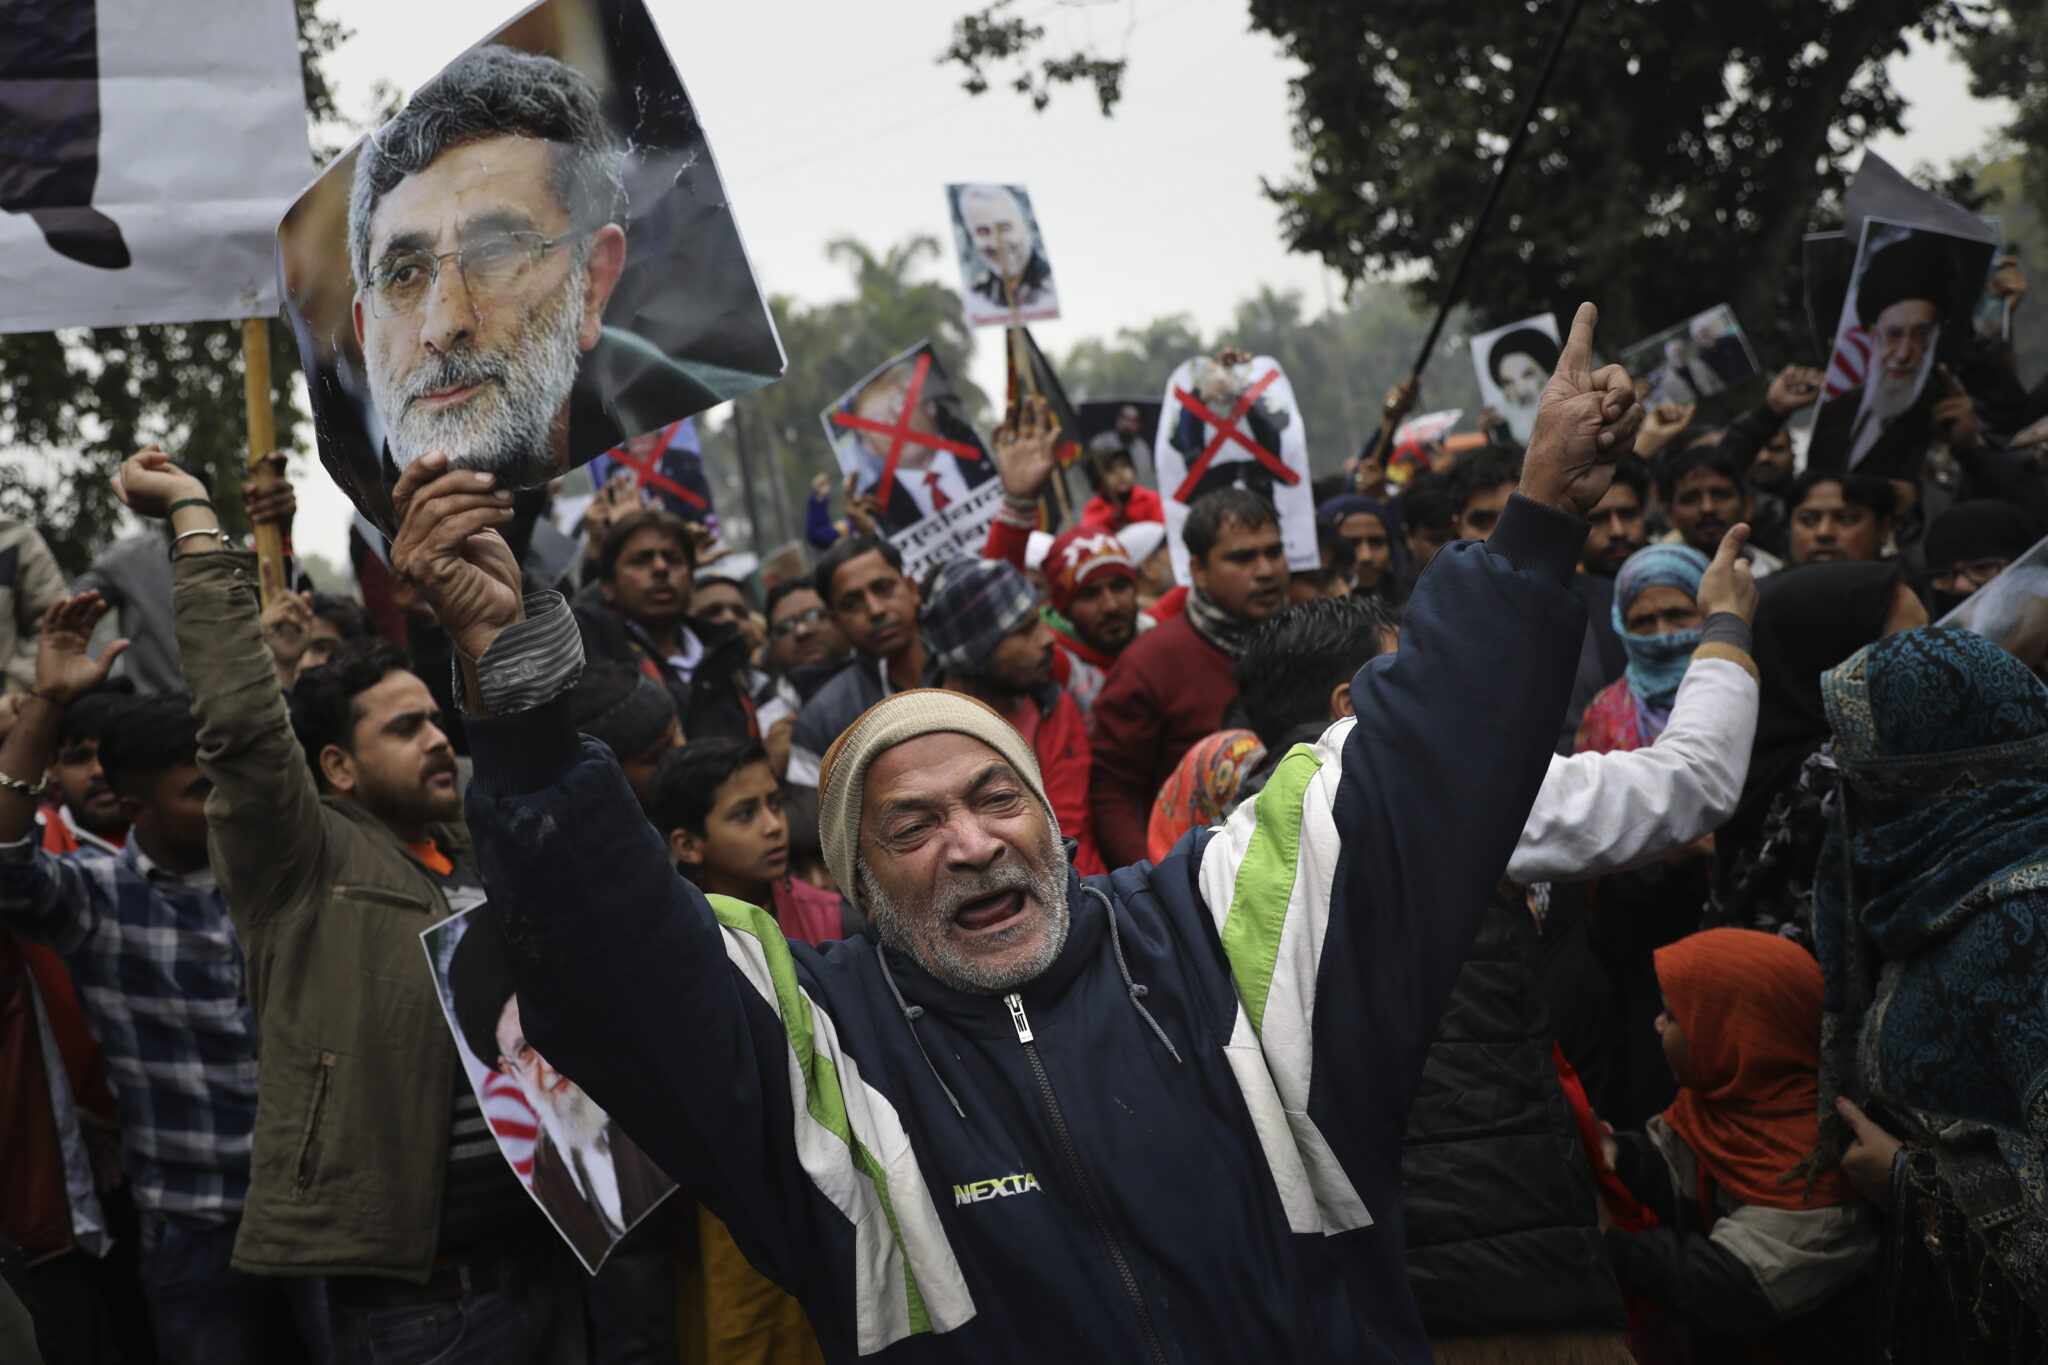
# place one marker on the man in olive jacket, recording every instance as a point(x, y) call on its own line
point(371, 1163)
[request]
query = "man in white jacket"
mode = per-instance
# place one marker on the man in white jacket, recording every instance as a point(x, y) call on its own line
point(1596, 813)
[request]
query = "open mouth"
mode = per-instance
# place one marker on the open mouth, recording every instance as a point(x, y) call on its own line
point(984, 914)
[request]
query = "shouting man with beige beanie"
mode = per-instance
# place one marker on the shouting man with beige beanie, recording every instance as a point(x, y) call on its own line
point(1026, 1115)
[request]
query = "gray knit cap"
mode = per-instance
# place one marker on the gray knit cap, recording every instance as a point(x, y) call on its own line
point(886, 724)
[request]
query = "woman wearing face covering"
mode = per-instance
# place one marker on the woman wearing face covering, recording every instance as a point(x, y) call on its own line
point(1929, 907)
point(1635, 913)
point(1807, 621)
point(1657, 615)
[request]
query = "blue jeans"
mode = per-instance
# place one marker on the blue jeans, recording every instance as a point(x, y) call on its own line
point(208, 1313)
point(477, 1329)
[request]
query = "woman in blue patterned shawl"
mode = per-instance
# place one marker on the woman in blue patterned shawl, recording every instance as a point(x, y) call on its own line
point(1929, 911)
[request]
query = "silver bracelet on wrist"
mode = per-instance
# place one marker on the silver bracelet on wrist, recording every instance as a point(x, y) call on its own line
point(32, 790)
point(202, 531)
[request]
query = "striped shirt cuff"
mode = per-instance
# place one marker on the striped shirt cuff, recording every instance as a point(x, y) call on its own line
point(531, 663)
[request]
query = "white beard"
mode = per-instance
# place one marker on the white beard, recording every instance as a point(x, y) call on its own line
point(509, 427)
point(577, 1126)
point(931, 950)
point(1886, 399)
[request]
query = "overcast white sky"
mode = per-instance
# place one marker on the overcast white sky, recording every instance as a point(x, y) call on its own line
point(830, 118)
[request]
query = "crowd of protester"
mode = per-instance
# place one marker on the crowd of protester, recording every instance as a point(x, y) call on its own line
point(1742, 1062)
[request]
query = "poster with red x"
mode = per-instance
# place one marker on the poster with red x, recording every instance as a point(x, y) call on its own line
point(904, 436)
point(1232, 422)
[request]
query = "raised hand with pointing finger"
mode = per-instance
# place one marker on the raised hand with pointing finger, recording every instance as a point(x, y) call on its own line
point(1585, 419)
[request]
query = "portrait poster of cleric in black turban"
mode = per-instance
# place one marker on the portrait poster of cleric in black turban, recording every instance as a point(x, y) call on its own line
point(587, 1176)
point(1002, 256)
point(1908, 311)
point(1514, 363)
point(531, 264)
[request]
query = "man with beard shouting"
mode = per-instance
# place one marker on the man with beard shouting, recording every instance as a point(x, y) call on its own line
point(1027, 1116)
point(334, 847)
point(484, 234)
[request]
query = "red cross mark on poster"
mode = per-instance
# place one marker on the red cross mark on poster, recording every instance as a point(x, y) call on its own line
point(649, 471)
point(1228, 430)
point(901, 432)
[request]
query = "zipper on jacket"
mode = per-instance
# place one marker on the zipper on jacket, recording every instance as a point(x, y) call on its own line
point(1026, 1039)
point(321, 1080)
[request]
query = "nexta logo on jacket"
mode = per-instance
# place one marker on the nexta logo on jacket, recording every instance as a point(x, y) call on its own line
point(1001, 1187)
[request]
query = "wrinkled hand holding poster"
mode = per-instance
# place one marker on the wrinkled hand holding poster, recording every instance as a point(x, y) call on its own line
point(147, 148)
point(1005, 276)
point(1223, 426)
point(903, 435)
point(589, 1179)
point(1703, 356)
point(1514, 363)
point(1907, 310)
point(531, 264)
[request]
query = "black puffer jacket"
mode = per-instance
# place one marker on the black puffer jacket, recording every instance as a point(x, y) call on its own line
point(1502, 1229)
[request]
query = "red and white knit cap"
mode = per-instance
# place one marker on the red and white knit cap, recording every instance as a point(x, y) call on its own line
point(1076, 558)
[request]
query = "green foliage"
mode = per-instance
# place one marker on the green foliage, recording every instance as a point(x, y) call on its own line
point(1684, 148)
point(80, 400)
point(831, 346)
point(2008, 59)
point(992, 37)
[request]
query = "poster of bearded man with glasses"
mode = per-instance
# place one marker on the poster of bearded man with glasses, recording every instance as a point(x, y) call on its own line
point(533, 262)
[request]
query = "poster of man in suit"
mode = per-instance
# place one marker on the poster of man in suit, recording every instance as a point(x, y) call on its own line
point(903, 435)
point(587, 1176)
point(531, 264)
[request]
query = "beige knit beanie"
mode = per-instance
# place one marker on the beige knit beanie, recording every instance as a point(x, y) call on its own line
point(889, 722)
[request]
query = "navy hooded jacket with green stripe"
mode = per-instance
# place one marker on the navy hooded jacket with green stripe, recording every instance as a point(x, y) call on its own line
point(939, 1176)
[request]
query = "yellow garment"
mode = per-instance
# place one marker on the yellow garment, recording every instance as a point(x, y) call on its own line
point(731, 1314)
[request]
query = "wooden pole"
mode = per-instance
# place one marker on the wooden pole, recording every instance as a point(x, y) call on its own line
point(262, 440)
point(1027, 378)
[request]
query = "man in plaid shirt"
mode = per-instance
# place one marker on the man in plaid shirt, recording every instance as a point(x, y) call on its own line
point(146, 936)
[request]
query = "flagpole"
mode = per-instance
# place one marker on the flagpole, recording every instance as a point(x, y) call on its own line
point(262, 441)
point(1020, 365)
point(1478, 228)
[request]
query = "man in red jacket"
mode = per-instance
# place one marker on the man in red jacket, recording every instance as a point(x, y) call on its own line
point(1171, 687)
point(980, 619)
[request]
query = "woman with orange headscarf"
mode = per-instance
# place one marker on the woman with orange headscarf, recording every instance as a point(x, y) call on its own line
point(1749, 1251)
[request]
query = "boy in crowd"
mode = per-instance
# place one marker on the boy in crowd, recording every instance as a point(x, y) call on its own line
point(720, 808)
